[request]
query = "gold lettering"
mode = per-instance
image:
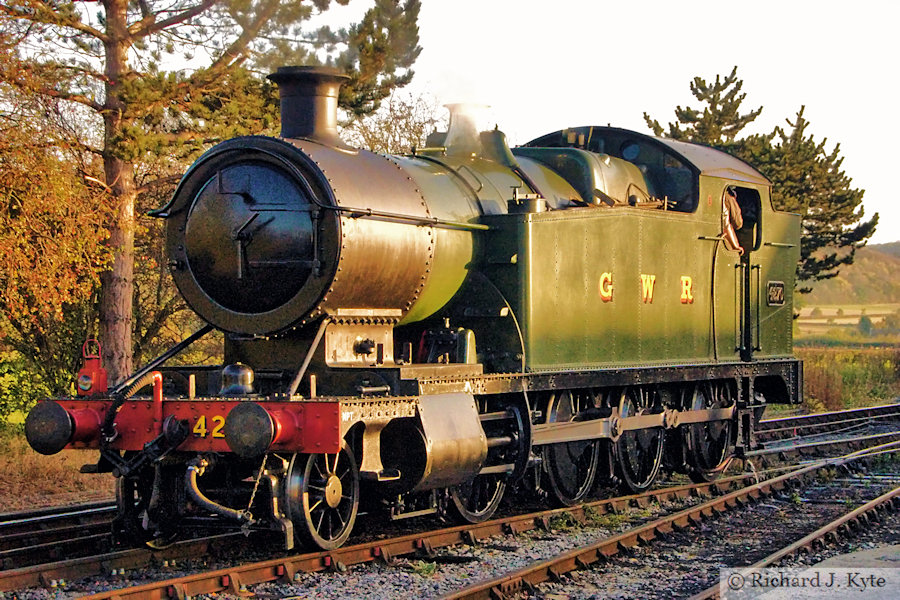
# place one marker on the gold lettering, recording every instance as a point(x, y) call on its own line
point(647, 283)
point(606, 287)
point(687, 296)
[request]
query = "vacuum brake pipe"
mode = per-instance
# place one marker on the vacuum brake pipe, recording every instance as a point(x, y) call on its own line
point(197, 467)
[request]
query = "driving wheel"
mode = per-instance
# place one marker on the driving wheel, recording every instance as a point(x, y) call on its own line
point(476, 500)
point(638, 453)
point(708, 443)
point(570, 467)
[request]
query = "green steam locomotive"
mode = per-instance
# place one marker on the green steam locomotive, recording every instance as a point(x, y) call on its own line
point(425, 334)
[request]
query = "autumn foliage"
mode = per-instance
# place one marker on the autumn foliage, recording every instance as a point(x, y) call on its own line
point(52, 229)
point(103, 105)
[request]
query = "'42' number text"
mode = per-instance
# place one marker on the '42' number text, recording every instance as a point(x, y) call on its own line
point(201, 427)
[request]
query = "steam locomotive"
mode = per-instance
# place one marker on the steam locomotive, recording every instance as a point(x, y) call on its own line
point(422, 334)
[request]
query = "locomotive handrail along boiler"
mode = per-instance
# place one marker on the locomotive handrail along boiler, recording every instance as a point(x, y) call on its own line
point(426, 333)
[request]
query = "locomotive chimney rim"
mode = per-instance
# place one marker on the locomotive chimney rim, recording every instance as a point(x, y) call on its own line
point(309, 99)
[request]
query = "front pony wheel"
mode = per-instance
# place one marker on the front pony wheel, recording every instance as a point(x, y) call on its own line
point(322, 497)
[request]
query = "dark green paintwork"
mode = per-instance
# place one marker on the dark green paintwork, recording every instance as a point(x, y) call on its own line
point(532, 280)
point(555, 261)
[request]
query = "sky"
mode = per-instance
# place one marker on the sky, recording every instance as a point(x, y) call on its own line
point(542, 66)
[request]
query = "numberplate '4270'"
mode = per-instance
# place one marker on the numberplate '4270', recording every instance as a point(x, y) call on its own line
point(775, 293)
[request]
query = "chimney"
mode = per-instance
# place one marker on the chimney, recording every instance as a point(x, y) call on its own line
point(309, 98)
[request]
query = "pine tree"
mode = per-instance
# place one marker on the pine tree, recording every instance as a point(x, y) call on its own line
point(107, 61)
point(720, 121)
point(806, 178)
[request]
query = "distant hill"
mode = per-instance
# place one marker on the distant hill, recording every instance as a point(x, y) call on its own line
point(893, 248)
point(873, 278)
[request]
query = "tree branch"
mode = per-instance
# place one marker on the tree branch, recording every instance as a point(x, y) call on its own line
point(232, 56)
point(157, 182)
point(239, 47)
point(45, 16)
point(149, 25)
point(65, 144)
point(145, 8)
point(24, 81)
point(79, 98)
point(96, 181)
point(152, 329)
point(99, 77)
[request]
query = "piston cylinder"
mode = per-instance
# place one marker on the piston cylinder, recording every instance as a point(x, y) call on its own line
point(455, 444)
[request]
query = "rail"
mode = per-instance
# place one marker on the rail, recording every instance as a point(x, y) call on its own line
point(585, 556)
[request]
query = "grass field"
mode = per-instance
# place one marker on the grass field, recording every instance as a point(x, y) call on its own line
point(837, 324)
point(857, 310)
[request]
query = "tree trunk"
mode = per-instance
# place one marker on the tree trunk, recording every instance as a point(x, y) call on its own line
point(117, 284)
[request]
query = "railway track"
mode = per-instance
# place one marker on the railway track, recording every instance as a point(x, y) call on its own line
point(816, 449)
point(54, 533)
point(843, 525)
point(553, 570)
point(417, 544)
point(820, 423)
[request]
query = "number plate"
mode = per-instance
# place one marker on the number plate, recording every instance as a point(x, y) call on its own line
point(775, 293)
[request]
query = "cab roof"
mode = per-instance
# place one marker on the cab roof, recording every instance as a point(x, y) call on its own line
point(612, 140)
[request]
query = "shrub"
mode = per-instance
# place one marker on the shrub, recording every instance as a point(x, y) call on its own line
point(837, 378)
point(20, 388)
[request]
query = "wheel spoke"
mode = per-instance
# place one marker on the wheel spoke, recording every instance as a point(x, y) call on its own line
point(566, 409)
point(336, 458)
point(319, 472)
point(321, 518)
